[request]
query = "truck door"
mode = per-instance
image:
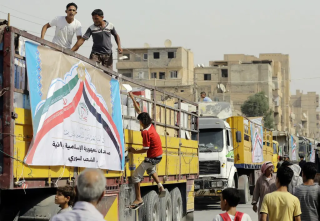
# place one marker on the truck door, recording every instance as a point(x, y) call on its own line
point(230, 156)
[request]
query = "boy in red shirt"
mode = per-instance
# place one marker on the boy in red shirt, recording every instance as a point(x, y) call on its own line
point(152, 146)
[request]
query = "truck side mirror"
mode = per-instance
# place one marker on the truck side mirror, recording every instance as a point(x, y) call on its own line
point(238, 136)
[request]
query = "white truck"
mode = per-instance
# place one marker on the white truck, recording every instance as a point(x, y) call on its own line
point(216, 158)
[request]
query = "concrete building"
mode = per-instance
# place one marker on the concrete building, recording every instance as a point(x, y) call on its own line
point(244, 75)
point(170, 68)
point(306, 116)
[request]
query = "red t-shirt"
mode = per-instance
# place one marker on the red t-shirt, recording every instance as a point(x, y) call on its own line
point(151, 142)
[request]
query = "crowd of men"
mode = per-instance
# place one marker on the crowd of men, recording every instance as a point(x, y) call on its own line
point(292, 195)
point(101, 31)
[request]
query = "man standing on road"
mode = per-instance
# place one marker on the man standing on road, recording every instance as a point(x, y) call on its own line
point(281, 205)
point(309, 193)
point(101, 32)
point(302, 163)
point(66, 27)
point(90, 190)
point(265, 184)
point(204, 97)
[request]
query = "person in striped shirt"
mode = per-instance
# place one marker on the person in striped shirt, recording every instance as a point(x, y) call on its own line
point(309, 193)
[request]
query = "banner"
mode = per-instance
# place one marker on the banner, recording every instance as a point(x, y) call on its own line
point(76, 112)
point(293, 149)
point(257, 143)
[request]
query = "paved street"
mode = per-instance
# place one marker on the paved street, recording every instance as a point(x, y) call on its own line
point(207, 213)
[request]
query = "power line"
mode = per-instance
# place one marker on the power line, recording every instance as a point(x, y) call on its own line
point(24, 13)
point(23, 19)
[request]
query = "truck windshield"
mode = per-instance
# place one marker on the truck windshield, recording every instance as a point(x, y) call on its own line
point(211, 140)
point(302, 148)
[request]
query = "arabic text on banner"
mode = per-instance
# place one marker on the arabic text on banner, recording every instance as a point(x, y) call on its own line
point(76, 112)
point(293, 149)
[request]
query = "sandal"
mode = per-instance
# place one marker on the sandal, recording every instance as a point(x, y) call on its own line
point(136, 206)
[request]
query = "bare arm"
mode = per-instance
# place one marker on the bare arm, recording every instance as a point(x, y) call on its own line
point(135, 104)
point(44, 30)
point(132, 150)
point(79, 37)
point(263, 217)
point(117, 39)
point(78, 44)
point(297, 218)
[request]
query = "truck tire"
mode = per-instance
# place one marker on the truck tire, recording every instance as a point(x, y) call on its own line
point(150, 211)
point(166, 207)
point(177, 203)
point(243, 187)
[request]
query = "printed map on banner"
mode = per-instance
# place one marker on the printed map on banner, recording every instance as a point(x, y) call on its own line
point(293, 149)
point(257, 143)
point(76, 112)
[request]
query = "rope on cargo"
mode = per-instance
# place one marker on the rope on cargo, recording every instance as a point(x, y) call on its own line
point(60, 176)
point(3, 91)
point(8, 155)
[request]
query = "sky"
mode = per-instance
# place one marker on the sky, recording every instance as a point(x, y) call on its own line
point(210, 28)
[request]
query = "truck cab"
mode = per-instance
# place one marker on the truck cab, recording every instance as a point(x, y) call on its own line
point(275, 156)
point(304, 148)
point(216, 163)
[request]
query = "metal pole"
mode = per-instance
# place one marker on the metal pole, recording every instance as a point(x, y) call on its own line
point(8, 19)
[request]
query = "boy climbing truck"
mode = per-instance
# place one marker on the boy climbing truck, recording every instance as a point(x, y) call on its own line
point(55, 122)
point(153, 147)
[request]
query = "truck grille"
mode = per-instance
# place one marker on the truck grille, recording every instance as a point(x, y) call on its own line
point(209, 167)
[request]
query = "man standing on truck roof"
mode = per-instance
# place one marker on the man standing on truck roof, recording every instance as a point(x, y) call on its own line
point(101, 32)
point(153, 147)
point(204, 97)
point(66, 27)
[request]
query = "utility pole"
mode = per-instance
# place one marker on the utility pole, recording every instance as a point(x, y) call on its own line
point(8, 19)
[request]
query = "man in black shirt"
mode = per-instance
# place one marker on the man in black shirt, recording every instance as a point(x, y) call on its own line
point(302, 163)
point(101, 32)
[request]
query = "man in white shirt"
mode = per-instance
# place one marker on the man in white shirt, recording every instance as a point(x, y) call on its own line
point(66, 27)
point(90, 190)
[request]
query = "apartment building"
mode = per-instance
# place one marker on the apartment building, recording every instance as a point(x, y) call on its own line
point(306, 117)
point(170, 68)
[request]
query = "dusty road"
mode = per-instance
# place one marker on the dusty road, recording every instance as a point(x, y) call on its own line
point(207, 213)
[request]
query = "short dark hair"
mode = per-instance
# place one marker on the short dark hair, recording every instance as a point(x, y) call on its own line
point(98, 12)
point(309, 170)
point(145, 119)
point(286, 164)
point(284, 175)
point(203, 93)
point(67, 191)
point(232, 196)
point(72, 4)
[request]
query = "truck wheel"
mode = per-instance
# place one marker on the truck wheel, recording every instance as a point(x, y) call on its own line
point(150, 211)
point(166, 207)
point(176, 204)
point(243, 187)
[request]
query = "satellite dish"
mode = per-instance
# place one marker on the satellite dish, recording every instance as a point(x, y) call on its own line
point(199, 65)
point(202, 65)
point(304, 114)
point(223, 88)
point(146, 45)
point(218, 86)
point(167, 43)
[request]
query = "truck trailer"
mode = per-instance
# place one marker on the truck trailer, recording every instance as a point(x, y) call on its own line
point(27, 190)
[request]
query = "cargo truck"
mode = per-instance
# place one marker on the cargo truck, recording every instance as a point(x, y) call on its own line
point(228, 158)
point(27, 191)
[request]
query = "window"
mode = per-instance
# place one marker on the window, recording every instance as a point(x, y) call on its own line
point(227, 138)
point(173, 74)
point(224, 73)
point(145, 57)
point(207, 77)
point(156, 55)
point(162, 75)
point(153, 74)
point(126, 55)
point(128, 75)
point(141, 75)
point(171, 54)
